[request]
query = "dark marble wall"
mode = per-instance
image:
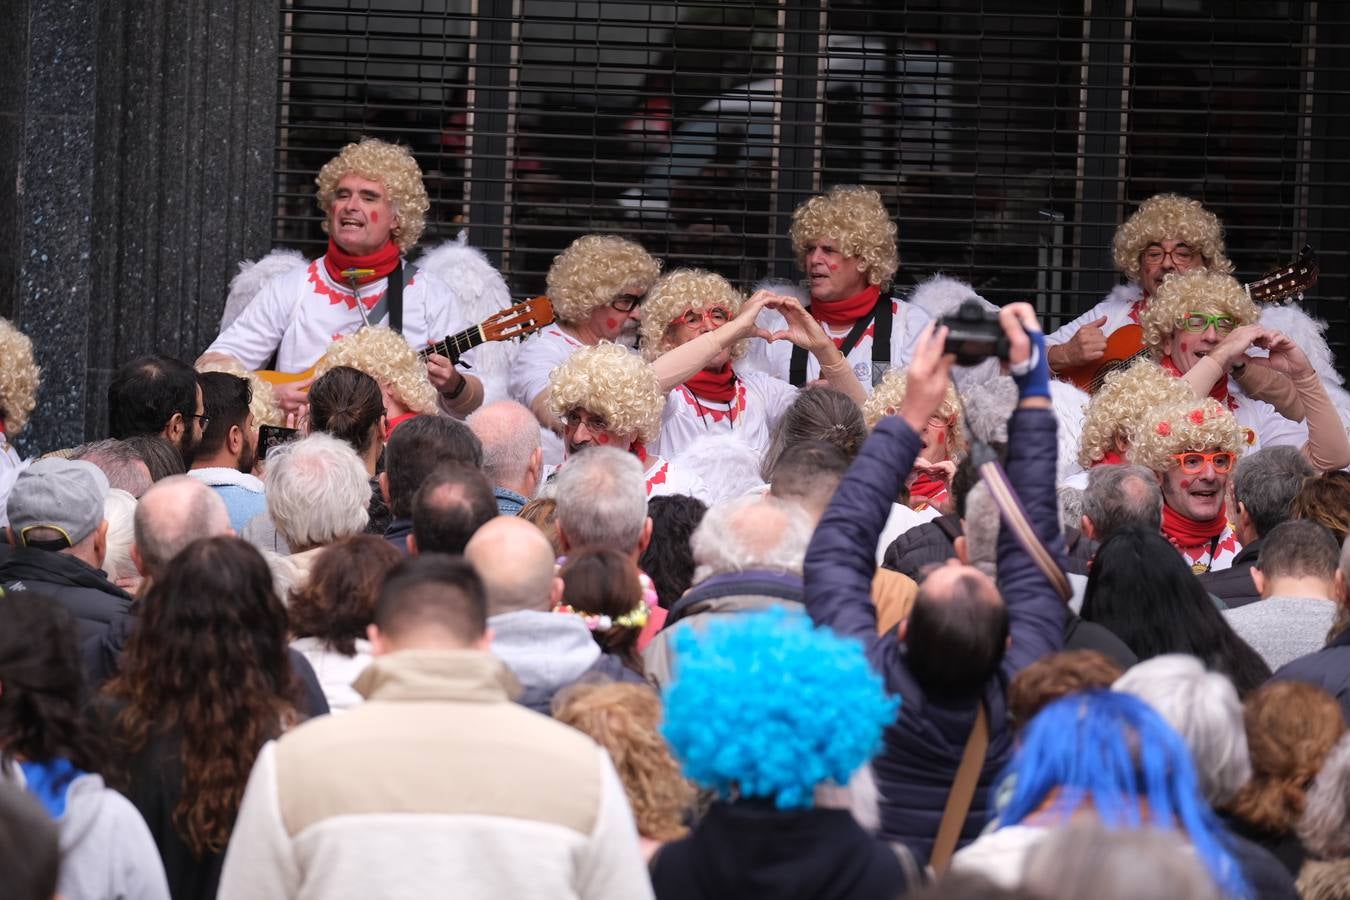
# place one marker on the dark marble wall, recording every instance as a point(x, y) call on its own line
point(140, 140)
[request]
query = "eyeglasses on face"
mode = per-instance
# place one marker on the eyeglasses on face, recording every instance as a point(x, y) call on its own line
point(1194, 463)
point(716, 316)
point(1199, 322)
point(206, 420)
point(574, 418)
point(1182, 256)
point(626, 302)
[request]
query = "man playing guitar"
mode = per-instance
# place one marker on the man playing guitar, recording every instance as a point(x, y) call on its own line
point(375, 206)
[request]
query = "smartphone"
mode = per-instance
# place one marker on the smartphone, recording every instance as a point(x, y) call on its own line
point(270, 436)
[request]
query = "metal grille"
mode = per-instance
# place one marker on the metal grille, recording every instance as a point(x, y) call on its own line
point(1008, 138)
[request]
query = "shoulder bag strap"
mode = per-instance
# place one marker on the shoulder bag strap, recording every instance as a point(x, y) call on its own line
point(797, 367)
point(962, 793)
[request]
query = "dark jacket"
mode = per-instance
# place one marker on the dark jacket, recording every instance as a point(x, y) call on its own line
point(397, 533)
point(922, 750)
point(1234, 585)
point(1083, 635)
point(1328, 668)
point(751, 850)
point(934, 542)
point(103, 612)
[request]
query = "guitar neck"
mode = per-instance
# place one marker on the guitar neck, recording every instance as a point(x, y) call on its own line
point(456, 345)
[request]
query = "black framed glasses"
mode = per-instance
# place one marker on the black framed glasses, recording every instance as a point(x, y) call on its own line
point(626, 303)
point(206, 420)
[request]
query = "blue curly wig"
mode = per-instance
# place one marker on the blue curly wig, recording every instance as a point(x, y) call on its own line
point(766, 705)
point(1109, 751)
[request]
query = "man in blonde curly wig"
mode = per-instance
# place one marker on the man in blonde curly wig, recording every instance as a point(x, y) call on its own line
point(19, 377)
point(1192, 447)
point(606, 396)
point(1168, 233)
point(375, 207)
point(845, 243)
point(1200, 326)
point(944, 441)
point(597, 286)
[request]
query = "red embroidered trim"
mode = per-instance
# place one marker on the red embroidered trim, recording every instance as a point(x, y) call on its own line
point(659, 477)
point(336, 295)
point(717, 415)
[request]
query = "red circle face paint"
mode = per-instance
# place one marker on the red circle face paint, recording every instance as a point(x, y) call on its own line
point(602, 439)
point(1185, 346)
point(941, 437)
point(1185, 484)
point(611, 324)
point(834, 267)
point(374, 216)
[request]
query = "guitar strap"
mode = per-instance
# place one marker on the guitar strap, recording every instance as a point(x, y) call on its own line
point(881, 343)
point(392, 301)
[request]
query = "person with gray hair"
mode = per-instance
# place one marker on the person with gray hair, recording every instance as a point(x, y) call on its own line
point(175, 512)
point(1295, 576)
point(1325, 829)
point(1120, 497)
point(748, 557)
point(513, 458)
point(1329, 668)
point(121, 462)
point(1263, 487)
point(602, 501)
point(317, 492)
point(1087, 859)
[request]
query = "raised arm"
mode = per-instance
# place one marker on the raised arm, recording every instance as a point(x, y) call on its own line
point(1327, 447)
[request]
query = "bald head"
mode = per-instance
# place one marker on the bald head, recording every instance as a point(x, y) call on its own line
point(175, 512)
point(515, 561)
point(957, 632)
point(512, 456)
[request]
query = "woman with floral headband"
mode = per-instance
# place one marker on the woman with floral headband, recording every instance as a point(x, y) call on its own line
point(606, 591)
point(688, 303)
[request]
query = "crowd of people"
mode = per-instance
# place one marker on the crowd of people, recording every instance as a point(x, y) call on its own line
point(690, 593)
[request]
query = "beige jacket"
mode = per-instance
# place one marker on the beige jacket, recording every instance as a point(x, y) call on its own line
point(438, 785)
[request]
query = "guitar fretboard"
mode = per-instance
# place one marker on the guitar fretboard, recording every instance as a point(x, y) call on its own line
point(456, 344)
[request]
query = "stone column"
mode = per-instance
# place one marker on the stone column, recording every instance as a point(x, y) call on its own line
point(140, 139)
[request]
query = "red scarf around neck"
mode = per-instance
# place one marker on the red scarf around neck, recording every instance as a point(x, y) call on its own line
point(715, 386)
point(1187, 532)
point(1218, 392)
point(842, 313)
point(1111, 458)
point(927, 487)
point(382, 261)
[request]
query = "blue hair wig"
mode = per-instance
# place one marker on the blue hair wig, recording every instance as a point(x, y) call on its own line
point(766, 705)
point(1113, 753)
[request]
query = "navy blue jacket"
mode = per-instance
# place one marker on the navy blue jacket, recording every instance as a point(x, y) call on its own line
point(922, 750)
point(1328, 668)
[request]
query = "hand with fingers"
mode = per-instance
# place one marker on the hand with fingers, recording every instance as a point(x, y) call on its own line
point(443, 375)
point(292, 395)
point(1087, 345)
point(1028, 362)
point(1285, 357)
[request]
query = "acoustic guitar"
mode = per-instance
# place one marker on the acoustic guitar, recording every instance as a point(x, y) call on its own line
point(1126, 344)
point(513, 322)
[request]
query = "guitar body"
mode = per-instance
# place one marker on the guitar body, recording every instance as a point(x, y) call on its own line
point(272, 376)
point(1122, 346)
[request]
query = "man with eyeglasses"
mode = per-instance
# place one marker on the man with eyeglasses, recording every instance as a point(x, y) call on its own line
point(597, 286)
point(1167, 234)
point(1200, 327)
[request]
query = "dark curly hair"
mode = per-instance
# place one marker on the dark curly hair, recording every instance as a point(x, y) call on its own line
point(209, 657)
point(40, 705)
point(338, 601)
point(668, 559)
point(604, 582)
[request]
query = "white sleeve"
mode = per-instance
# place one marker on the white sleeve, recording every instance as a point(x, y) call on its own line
point(260, 862)
point(1068, 330)
point(140, 872)
point(778, 396)
point(904, 340)
point(612, 866)
point(535, 359)
point(256, 334)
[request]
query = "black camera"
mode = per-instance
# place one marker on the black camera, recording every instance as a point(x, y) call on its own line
point(974, 334)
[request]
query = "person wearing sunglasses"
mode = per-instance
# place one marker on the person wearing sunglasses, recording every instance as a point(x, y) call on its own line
point(597, 286)
point(1203, 328)
point(1168, 234)
point(1192, 447)
point(724, 397)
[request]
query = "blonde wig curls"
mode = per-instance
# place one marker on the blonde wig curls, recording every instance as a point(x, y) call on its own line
point(19, 378)
point(1125, 398)
point(1211, 293)
point(625, 719)
point(1194, 425)
point(856, 218)
point(384, 355)
point(393, 166)
point(593, 270)
point(675, 294)
point(609, 381)
point(1169, 217)
point(263, 405)
point(890, 393)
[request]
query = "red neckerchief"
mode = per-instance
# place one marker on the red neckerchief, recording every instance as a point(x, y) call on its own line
point(715, 385)
point(397, 421)
point(382, 261)
point(927, 487)
point(842, 313)
point(1218, 392)
point(1187, 532)
point(1137, 307)
point(1111, 458)
point(639, 450)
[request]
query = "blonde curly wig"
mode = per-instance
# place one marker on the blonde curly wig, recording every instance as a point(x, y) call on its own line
point(19, 378)
point(1198, 290)
point(1170, 428)
point(890, 393)
point(393, 166)
point(593, 269)
point(675, 294)
point(264, 406)
point(625, 719)
point(384, 355)
point(856, 218)
point(610, 381)
point(1125, 398)
point(1169, 217)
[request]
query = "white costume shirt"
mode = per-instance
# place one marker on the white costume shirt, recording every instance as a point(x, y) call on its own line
point(907, 323)
point(1119, 307)
point(759, 403)
point(537, 357)
point(299, 313)
point(1201, 560)
point(10, 466)
point(664, 479)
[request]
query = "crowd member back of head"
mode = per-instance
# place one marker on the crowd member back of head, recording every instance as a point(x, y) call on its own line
point(1119, 497)
point(513, 458)
point(157, 395)
point(414, 451)
point(602, 502)
point(453, 502)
